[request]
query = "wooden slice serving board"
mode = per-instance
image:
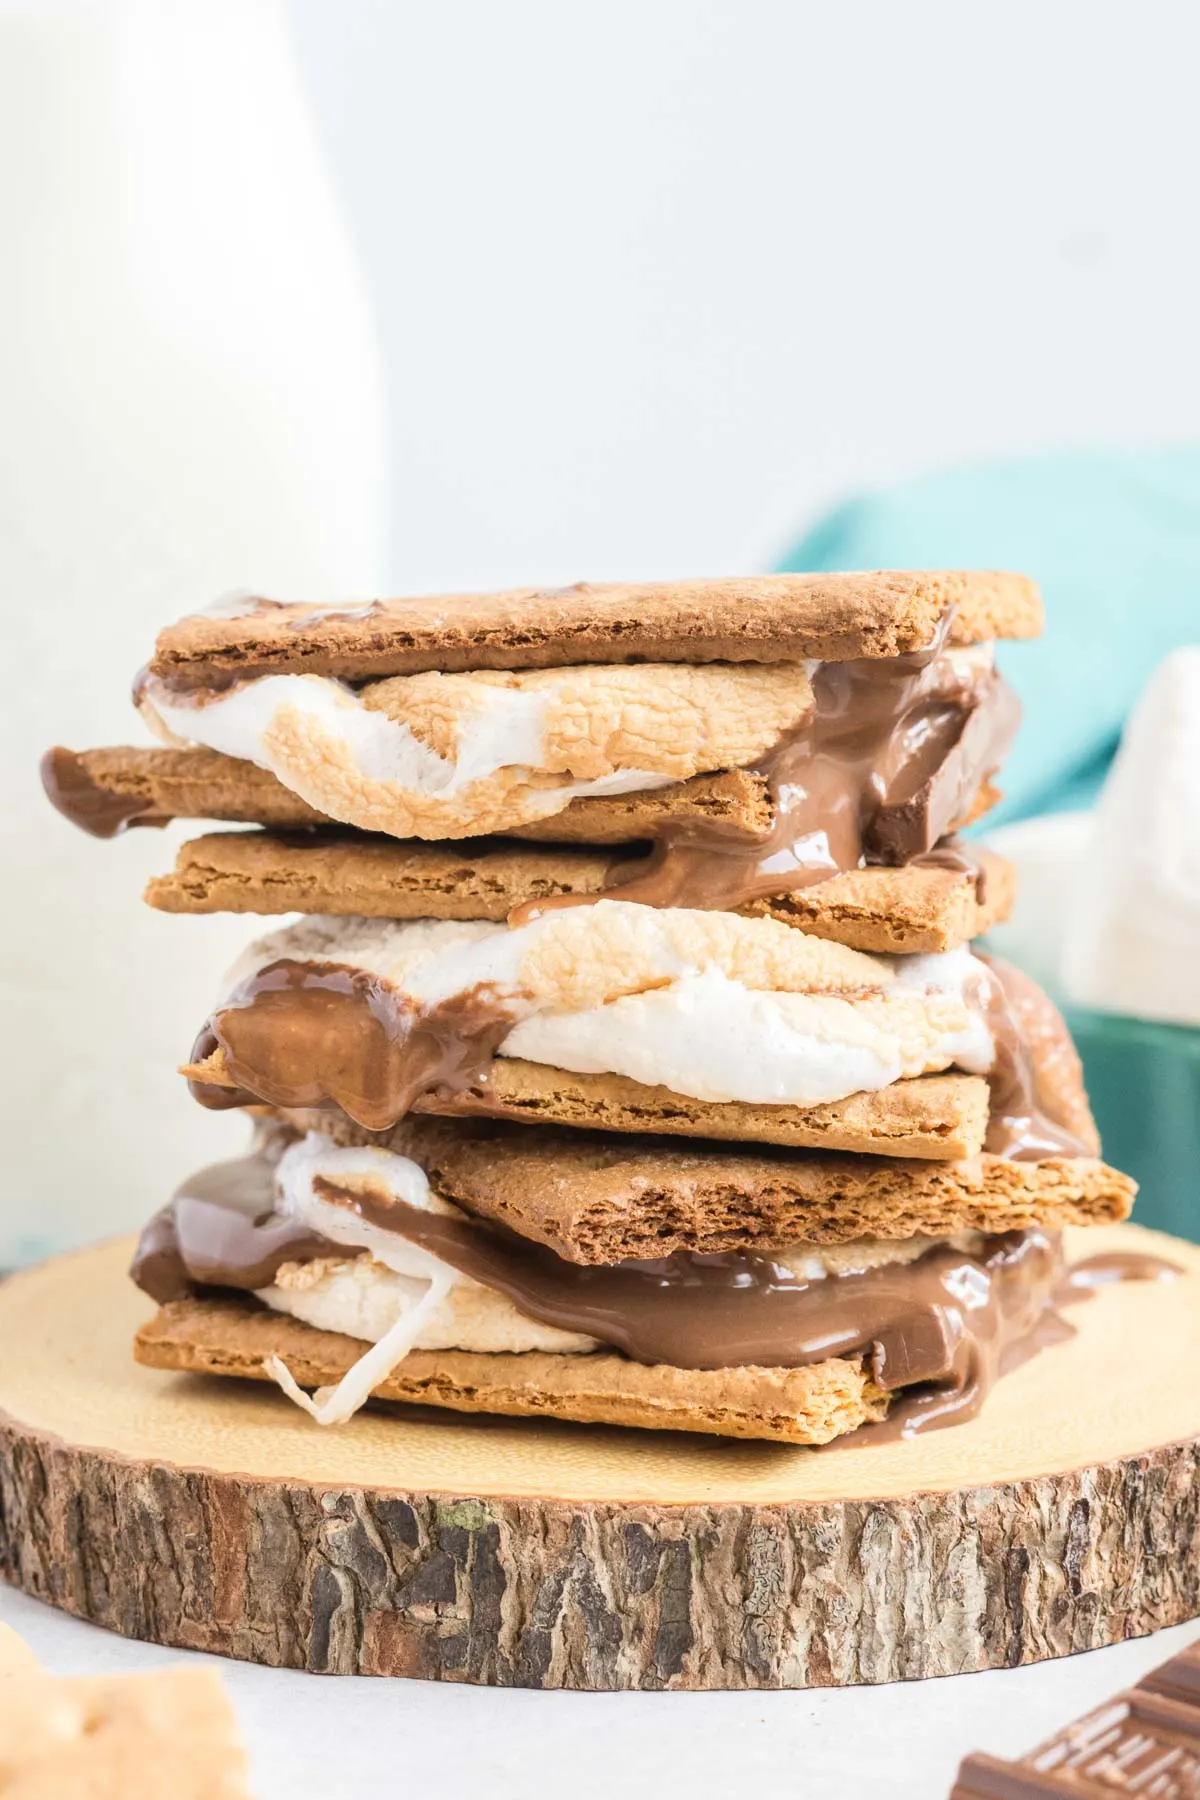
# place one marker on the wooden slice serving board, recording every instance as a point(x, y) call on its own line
point(214, 1515)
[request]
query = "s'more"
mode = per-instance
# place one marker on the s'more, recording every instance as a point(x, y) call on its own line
point(616, 1044)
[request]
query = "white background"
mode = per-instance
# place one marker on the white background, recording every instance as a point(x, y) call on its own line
point(655, 279)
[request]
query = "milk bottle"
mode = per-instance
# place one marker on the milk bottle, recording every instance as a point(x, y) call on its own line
point(190, 405)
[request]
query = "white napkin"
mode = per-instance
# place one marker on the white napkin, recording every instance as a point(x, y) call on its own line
point(1131, 925)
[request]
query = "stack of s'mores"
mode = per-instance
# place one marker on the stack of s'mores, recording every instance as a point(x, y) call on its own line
point(629, 1059)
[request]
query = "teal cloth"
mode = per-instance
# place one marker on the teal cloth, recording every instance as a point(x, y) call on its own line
point(1113, 538)
point(1143, 1081)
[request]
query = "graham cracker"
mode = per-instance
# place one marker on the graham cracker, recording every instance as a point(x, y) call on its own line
point(913, 909)
point(16, 1658)
point(765, 618)
point(154, 786)
point(225, 1336)
point(738, 798)
point(906, 911)
point(943, 1117)
point(602, 1199)
point(169, 1731)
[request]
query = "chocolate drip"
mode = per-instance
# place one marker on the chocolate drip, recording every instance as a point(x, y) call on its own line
point(738, 1309)
point(888, 761)
point(1028, 1120)
point(221, 1230)
point(959, 859)
point(1112, 1266)
point(94, 809)
point(305, 1033)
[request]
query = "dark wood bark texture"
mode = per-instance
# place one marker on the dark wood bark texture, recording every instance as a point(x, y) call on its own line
point(554, 1594)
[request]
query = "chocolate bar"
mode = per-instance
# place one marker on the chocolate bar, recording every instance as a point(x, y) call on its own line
point(1145, 1741)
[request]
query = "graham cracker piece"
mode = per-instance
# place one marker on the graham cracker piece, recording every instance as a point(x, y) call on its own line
point(908, 911)
point(122, 1737)
point(736, 797)
point(353, 875)
point(764, 618)
point(602, 1199)
point(16, 1658)
point(156, 785)
point(942, 1117)
point(792, 1406)
point(108, 789)
point(914, 909)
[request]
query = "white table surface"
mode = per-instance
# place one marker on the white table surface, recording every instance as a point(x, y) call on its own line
point(337, 1738)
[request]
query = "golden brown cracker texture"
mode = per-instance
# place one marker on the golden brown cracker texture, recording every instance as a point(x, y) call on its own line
point(740, 619)
point(792, 1406)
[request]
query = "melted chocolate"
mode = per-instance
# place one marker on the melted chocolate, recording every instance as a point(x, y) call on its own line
point(221, 1230)
point(942, 1319)
point(917, 1411)
point(1110, 1266)
point(889, 760)
point(945, 1326)
point(1027, 1121)
point(301, 1034)
point(81, 799)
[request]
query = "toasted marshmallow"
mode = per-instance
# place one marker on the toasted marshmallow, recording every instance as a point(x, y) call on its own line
point(710, 1005)
point(439, 756)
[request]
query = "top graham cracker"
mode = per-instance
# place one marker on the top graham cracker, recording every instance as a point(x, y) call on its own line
point(761, 618)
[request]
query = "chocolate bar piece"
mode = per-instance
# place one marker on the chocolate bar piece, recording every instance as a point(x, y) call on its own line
point(1143, 1741)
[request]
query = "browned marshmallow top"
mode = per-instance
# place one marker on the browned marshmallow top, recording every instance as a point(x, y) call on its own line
point(372, 1017)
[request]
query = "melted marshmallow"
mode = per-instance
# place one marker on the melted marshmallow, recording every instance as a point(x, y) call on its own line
point(504, 729)
point(692, 1029)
